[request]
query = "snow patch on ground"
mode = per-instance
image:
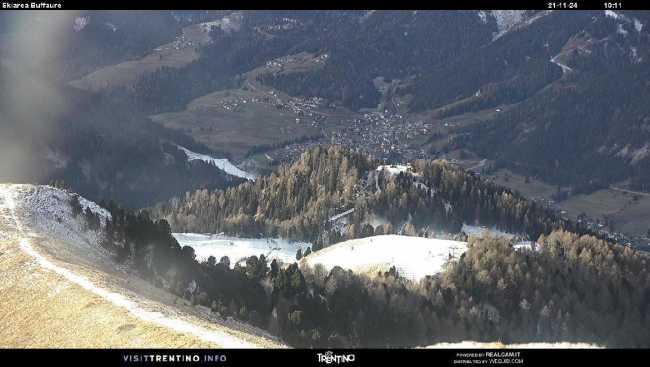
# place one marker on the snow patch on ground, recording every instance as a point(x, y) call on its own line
point(48, 210)
point(413, 257)
point(497, 345)
point(635, 155)
point(336, 217)
point(509, 20)
point(525, 245)
point(237, 249)
point(640, 153)
point(396, 169)
point(227, 24)
point(506, 19)
point(623, 152)
point(565, 68)
point(221, 163)
point(482, 15)
point(638, 25)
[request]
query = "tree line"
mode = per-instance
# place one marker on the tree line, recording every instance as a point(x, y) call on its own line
point(571, 288)
point(298, 200)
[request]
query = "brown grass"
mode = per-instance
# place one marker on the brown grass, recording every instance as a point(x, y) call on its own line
point(38, 308)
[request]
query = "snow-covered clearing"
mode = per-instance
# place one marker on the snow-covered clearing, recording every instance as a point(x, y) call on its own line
point(509, 20)
point(612, 14)
point(227, 24)
point(43, 214)
point(638, 25)
point(482, 15)
point(413, 257)
point(525, 245)
point(506, 19)
point(498, 345)
point(221, 163)
point(238, 249)
point(396, 169)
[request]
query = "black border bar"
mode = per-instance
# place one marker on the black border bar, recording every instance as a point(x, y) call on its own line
point(330, 4)
point(318, 357)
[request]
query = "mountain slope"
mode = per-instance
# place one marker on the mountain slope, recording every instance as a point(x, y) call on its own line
point(588, 128)
point(333, 193)
point(492, 292)
point(52, 262)
point(572, 80)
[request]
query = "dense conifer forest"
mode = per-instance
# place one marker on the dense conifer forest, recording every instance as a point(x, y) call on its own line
point(569, 288)
point(298, 201)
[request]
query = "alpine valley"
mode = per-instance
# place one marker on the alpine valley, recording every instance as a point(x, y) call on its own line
point(325, 179)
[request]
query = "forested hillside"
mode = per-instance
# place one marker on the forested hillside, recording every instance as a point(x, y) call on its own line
point(574, 79)
point(589, 129)
point(571, 289)
point(596, 134)
point(362, 46)
point(332, 101)
point(293, 202)
point(299, 200)
point(392, 44)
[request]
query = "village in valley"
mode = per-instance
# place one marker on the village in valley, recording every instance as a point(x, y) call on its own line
point(388, 135)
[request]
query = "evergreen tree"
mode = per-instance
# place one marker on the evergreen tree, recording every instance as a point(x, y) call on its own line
point(299, 254)
point(75, 205)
